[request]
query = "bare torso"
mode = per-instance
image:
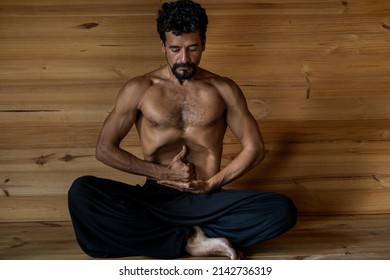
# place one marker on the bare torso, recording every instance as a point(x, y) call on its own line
point(171, 115)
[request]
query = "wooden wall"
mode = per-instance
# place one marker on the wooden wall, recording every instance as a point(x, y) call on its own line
point(316, 74)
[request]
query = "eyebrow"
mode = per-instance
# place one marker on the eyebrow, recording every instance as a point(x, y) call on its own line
point(178, 47)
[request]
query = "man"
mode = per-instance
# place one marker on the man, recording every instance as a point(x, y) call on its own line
point(181, 113)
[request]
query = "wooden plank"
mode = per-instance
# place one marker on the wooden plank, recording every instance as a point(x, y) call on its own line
point(292, 71)
point(47, 128)
point(327, 131)
point(293, 109)
point(65, 96)
point(54, 183)
point(283, 24)
point(34, 208)
point(77, 96)
point(76, 70)
point(312, 7)
point(224, 7)
point(78, 26)
point(69, 8)
point(76, 129)
point(46, 240)
point(320, 108)
point(304, 48)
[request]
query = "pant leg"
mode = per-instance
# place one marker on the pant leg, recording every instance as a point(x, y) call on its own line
point(108, 223)
point(266, 216)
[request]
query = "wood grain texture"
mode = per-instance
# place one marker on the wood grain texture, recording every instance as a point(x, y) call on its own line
point(315, 74)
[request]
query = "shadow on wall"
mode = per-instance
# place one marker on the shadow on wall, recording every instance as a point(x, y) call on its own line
point(312, 175)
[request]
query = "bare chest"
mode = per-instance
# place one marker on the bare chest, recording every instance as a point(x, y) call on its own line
point(172, 110)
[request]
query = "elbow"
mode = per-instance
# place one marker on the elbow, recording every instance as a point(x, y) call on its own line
point(100, 152)
point(259, 153)
point(260, 157)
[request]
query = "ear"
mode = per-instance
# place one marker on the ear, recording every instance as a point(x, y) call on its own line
point(203, 45)
point(162, 44)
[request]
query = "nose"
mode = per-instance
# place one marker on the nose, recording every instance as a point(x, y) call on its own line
point(185, 57)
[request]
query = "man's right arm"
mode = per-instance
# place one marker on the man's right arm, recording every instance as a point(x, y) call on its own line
point(118, 124)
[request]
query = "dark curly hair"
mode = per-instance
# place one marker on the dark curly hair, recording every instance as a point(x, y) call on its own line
point(181, 17)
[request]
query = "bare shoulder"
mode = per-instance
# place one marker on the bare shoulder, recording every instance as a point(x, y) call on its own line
point(227, 88)
point(133, 91)
point(225, 83)
point(136, 86)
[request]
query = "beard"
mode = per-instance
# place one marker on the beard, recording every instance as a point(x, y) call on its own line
point(185, 75)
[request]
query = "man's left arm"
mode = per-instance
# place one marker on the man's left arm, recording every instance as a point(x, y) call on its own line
point(244, 126)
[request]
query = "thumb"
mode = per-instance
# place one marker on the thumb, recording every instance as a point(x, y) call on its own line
point(180, 156)
point(183, 152)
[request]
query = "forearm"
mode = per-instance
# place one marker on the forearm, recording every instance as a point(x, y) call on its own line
point(122, 160)
point(240, 165)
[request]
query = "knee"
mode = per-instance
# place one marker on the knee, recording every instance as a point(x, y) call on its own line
point(287, 211)
point(79, 186)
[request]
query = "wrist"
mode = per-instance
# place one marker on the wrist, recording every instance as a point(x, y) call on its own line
point(158, 172)
point(211, 186)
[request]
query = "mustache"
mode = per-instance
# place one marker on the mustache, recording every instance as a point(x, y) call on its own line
point(187, 64)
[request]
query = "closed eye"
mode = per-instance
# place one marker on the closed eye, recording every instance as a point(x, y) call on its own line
point(175, 50)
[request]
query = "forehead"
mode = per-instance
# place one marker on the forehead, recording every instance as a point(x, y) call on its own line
point(183, 39)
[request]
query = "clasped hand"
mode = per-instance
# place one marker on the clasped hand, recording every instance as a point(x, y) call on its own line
point(182, 176)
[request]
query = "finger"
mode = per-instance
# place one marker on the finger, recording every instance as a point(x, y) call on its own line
point(180, 155)
point(183, 152)
point(191, 171)
point(177, 185)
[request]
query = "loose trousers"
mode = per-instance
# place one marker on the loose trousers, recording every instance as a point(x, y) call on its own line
point(113, 219)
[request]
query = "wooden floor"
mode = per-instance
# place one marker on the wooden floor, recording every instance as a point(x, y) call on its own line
point(314, 237)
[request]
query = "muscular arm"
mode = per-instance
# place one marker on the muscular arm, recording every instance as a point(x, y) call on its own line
point(245, 128)
point(118, 124)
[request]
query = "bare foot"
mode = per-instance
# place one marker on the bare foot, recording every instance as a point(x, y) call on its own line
point(199, 245)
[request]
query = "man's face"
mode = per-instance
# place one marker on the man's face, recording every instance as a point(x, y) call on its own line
point(183, 54)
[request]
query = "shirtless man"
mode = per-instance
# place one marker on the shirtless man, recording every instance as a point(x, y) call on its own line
point(181, 113)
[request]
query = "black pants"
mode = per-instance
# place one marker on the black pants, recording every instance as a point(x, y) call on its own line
point(113, 219)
